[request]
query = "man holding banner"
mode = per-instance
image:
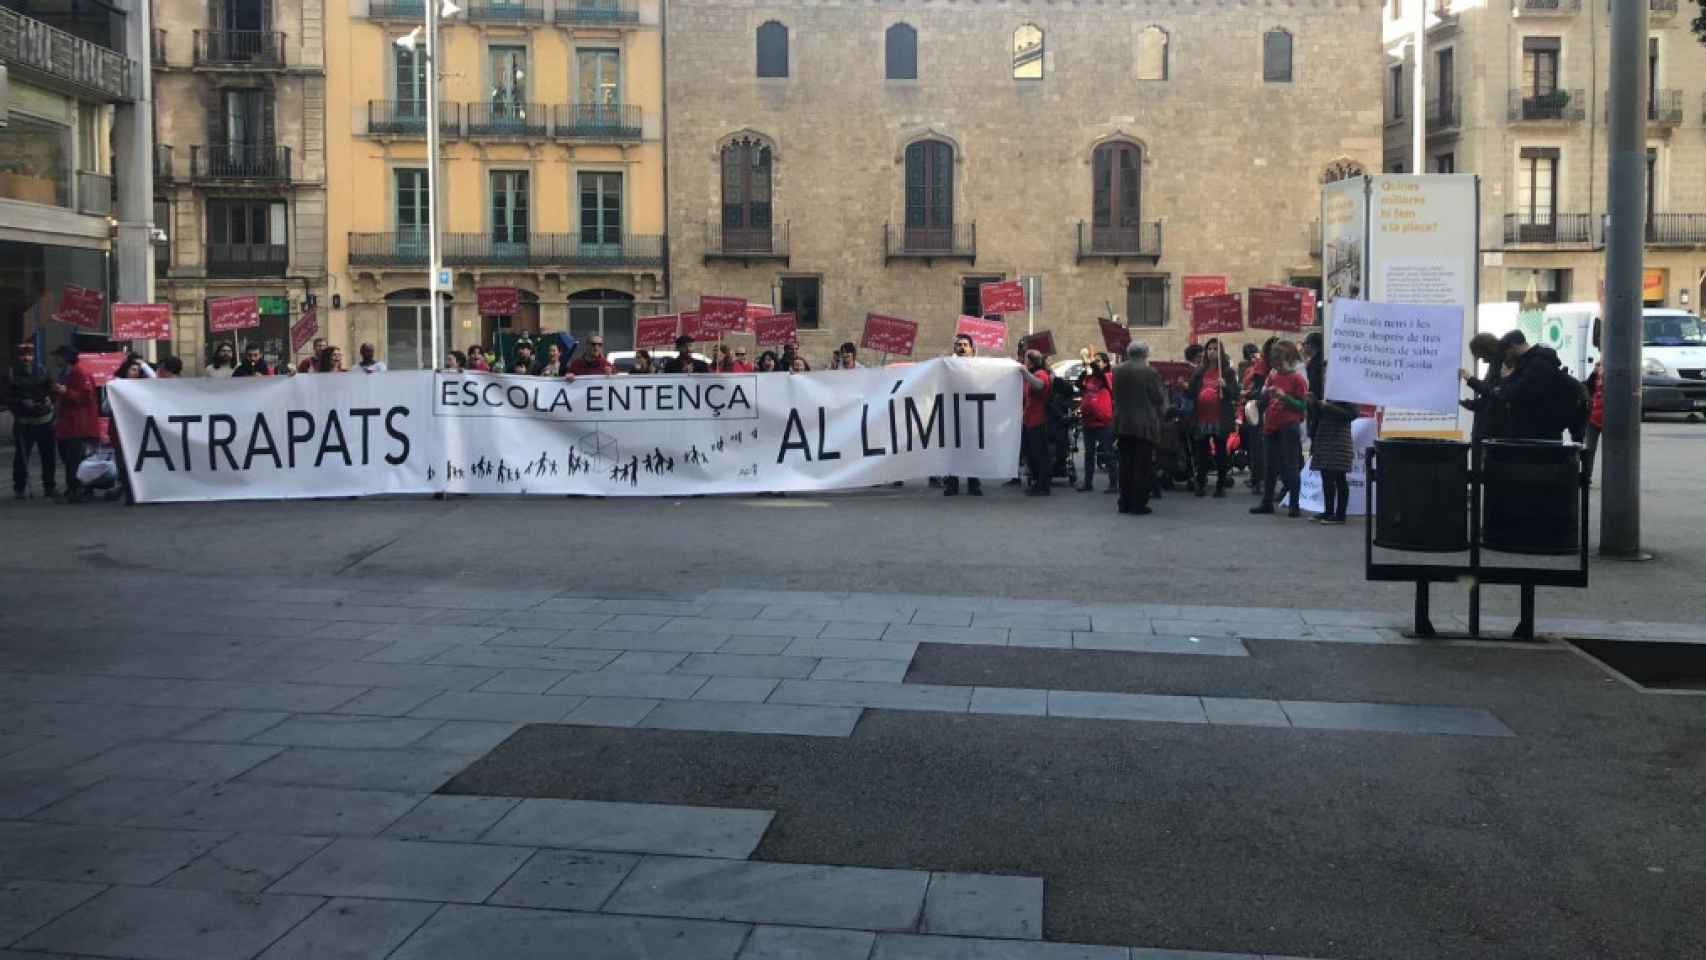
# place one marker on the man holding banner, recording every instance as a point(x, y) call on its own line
point(965, 347)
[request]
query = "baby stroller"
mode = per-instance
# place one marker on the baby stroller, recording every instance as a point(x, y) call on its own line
point(1174, 453)
point(1065, 431)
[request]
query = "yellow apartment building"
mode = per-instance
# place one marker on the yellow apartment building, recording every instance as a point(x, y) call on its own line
point(551, 160)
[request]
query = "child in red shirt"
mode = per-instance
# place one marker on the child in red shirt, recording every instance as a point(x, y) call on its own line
point(1286, 394)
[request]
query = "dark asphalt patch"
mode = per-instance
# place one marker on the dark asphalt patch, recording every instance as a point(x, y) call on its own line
point(1582, 837)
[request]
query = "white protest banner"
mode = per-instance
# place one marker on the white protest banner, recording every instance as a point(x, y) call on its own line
point(319, 435)
point(1394, 355)
point(1364, 431)
point(728, 433)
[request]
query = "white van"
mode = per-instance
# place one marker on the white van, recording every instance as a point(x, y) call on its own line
point(1673, 349)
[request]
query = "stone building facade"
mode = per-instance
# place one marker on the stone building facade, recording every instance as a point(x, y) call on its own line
point(239, 165)
point(845, 157)
point(1519, 94)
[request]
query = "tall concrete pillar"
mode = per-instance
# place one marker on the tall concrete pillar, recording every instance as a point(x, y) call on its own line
point(133, 167)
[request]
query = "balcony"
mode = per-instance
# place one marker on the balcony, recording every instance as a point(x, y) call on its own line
point(746, 245)
point(163, 166)
point(1676, 229)
point(614, 123)
point(407, 118)
point(1665, 107)
point(1562, 229)
point(506, 11)
point(54, 58)
point(414, 10)
point(239, 49)
point(953, 242)
point(240, 161)
point(1444, 114)
point(94, 194)
point(1142, 242)
point(1557, 106)
point(247, 259)
point(507, 120)
point(1662, 8)
point(539, 251)
point(1548, 8)
point(157, 50)
point(596, 12)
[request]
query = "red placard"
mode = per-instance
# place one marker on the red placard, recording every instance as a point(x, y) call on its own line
point(1309, 319)
point(498, 301)
point(1115, 336)
point(1222, 313)
point(1192, 286)
point(101, 366)
point(303, 330)
point(783, 328)
point(754, 313)
point(889, 334)
point(656, 331)
point(721, 315)
point(1175, 374)
point(1042, 341)
point(1002, 298)
point(142, 321)
point(81, 307)
point(227, 314)
point(985, 334)
point(1280, 310)
point(693, 325)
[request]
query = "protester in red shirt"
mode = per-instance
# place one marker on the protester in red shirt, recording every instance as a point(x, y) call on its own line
point(1286, 393)
point(742, 364)
point(1034, 444)
point(77, 424)
point(1214, 388)
point(308, 363)
point(1096, 408)
point(592, 362)
point(477, 358)
point(1596, 418)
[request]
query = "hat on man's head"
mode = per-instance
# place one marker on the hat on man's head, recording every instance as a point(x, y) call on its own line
point(683, 341)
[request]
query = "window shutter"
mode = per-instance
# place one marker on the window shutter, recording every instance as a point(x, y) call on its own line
point(269, 130)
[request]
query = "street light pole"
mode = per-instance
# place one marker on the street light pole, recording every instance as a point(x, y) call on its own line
point(437, 307)
point(1620, 502)
point(1418, 94)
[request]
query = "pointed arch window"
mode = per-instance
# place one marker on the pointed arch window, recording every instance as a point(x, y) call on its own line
point(1116, 189)
point(1152, 54)
point(929, 196)
point(900, 53)
point(1276, 57)
point(1028, 53)
point(772, 50)
point(747, 220)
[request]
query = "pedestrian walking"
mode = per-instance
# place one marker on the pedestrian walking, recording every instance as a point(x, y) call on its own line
point(1214, 389)
point(1138, 403)
point(28, 394)
point(77, 419)
point(1286, 393)
point(963, 347)
point(224, 360)
point(1096, 413)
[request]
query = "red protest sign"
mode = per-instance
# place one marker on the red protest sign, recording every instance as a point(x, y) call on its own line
point(754, 313)
point(81, 307)
point(497, 301)
point(783, 328)
point(228, 314)
point(101, 366)
point(1192, 286)
point(656, 331)
point(1002, 298)
point(1222, 313)
point(142, 321)
point(1175, 374)
point(1115, 336)
point(693, 325)
point(1041, 341)
point(985, 334)
point(720, 315)
point(889, 334)
point(1280, 310)
point(1308, 300)
point(303, 330)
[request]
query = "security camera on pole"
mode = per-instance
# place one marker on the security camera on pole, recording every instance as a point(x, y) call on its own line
point(412, 42)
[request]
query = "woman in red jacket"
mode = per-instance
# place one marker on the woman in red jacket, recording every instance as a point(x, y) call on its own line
point(1286, 394)
point(77, 425)
point(1596, 418)
point(1096, 408)
point(1214, 388)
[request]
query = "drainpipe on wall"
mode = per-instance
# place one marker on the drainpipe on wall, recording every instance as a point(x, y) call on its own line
point(663, 145)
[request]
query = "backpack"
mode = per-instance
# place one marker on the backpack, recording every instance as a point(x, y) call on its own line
point(1568, 401)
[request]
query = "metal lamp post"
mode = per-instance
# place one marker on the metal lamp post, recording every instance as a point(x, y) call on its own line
point(412, 42)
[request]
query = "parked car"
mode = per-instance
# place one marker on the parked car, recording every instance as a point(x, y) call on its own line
point(623, 360)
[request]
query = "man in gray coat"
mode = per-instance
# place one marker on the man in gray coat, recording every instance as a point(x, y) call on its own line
point(1138, 402)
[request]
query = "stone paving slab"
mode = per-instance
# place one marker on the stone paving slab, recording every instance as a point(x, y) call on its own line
point(757, 646)
point(981, 905)
point(794, 894)
point(985, 636)
point(1007, 700)
point(908, 947)
point(647, 661)
point(172, 760)
point(1245, 712)
point(26, 905)
point(888, 696)
point(713, 626)
point(318, 811)
point(565, 880)
point(632, 828)
point(659, 686)
point(866, 671)
point(333, 730)
point(518, 934)
point(246, 863)
point(853, 630)
point(737, 689)
point(22, 794)
point(663, 642)
point(453, 818)
point(1394, 718)
point(852, 649)
point(111, 802)
point(366, 674)
point(166, 924)
point(1208, 645)
point(351, 929)
point(386, 702)
point(233, 695)
point(512, 707)
point(525, 658)
point(405, 870)
point(1034, 637)
point(407, 771)
point(232, 726)
point(526, 637)
point(40, 851)
point(797, 943)
point(1034, 621)
point(1125, 706)
point(611, 711)
point(773, 718)
point(468, 736)
point(736, 665)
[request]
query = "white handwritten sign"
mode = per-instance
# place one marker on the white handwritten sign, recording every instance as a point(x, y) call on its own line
point(1394, 355)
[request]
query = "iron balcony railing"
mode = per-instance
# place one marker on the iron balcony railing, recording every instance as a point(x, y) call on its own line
point(239, 48)
point(596, 11)
point(407, 118)
point(157, 49)
point(746, 243)
point(1576, 229)
point(396, 9)
point(506, 11)
point(163, 166)
point(1665, 106)
point(1566, 106)
point(240, 161)
point(1141, 241)
point(57, 59)
point(1676, 229)
point(955, 241)
point(1444, 113)
point(597, 121)
point(409, 249)
point(507, 119)
point(247, 259)
point(1543, 7)
point(94, 194)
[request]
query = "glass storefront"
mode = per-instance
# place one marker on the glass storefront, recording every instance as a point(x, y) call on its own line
point(35, 161)
point(32, 280)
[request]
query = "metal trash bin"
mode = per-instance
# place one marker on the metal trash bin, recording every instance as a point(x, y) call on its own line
point(1531, 496)
point(1422, 496)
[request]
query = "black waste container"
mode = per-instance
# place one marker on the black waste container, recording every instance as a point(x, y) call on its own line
point(1531, 496)
point(1422, 495)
